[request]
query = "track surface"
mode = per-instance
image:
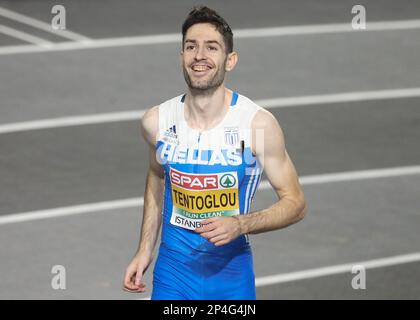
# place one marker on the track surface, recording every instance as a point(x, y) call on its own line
point(347, 222)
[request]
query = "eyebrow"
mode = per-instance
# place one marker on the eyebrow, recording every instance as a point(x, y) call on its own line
point(207, 41)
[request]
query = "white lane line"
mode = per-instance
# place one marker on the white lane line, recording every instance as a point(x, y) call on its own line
point(238, 34)
point(267, 103)
point(71, 121)
point(352, 176)
point(137, 202)
point(325, 28)
point(25, 36)
point(340, 97)
point(73, 210)
point(330, 270)
point(41, 25)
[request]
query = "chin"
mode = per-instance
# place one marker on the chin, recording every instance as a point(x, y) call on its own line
point(200, 87)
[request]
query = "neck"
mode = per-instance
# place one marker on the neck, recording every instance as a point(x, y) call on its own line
point(204, 111)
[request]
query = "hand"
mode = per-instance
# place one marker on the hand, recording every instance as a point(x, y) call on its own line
point(134, 274)
point(220, 230)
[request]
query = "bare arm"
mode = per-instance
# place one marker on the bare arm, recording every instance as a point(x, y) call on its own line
point(152, 208)
point(281, 174)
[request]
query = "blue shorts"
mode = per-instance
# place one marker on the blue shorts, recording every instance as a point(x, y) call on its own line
point(203, 275)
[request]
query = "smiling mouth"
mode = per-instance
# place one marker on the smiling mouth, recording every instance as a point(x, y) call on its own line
point(198, 68)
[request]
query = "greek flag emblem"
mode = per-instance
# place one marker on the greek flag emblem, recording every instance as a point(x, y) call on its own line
point(231, 136)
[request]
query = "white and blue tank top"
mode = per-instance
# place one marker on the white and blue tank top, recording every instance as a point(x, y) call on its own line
point(207, 174)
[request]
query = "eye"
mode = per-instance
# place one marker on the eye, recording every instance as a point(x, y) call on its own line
point(211, 48)
point(189, 47)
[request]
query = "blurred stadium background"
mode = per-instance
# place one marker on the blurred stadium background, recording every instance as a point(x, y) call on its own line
point(73, 164)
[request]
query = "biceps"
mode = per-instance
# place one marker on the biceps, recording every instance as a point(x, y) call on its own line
point(155, 166)
point(282, 174)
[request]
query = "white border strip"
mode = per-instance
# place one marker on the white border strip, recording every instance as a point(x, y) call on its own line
point(342, 268)
point(25, 36)
point(137, 202)
point(41, 25)
point(331, 270)
point(238, 34)
point(267, 103)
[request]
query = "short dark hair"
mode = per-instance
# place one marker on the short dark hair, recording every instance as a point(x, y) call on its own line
point(203, 14)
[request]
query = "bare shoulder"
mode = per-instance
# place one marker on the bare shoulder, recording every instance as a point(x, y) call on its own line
point(149, 124)
point(264, 119)
point(266, 132)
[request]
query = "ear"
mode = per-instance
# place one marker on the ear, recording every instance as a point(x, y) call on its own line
point(231, 60)
point(181, 58)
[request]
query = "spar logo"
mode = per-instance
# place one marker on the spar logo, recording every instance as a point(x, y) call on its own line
point(227, 180)
point(194, 181)
point(210, 181)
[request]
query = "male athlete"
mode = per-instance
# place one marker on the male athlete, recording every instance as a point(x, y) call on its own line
point(207, 151)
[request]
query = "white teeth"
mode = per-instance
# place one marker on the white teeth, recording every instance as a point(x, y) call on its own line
point(200, 68)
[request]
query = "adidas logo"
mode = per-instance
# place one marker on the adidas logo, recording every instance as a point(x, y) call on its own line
point(170, 135)
point(172, 129)
point(171, 132)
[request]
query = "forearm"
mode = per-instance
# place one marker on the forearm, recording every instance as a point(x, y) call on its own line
point(152, 217)
point(280, 215)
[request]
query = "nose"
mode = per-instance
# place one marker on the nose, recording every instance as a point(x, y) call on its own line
point(200, 53)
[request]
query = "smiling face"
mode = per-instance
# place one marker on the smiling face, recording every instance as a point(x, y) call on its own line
point(204, 57)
